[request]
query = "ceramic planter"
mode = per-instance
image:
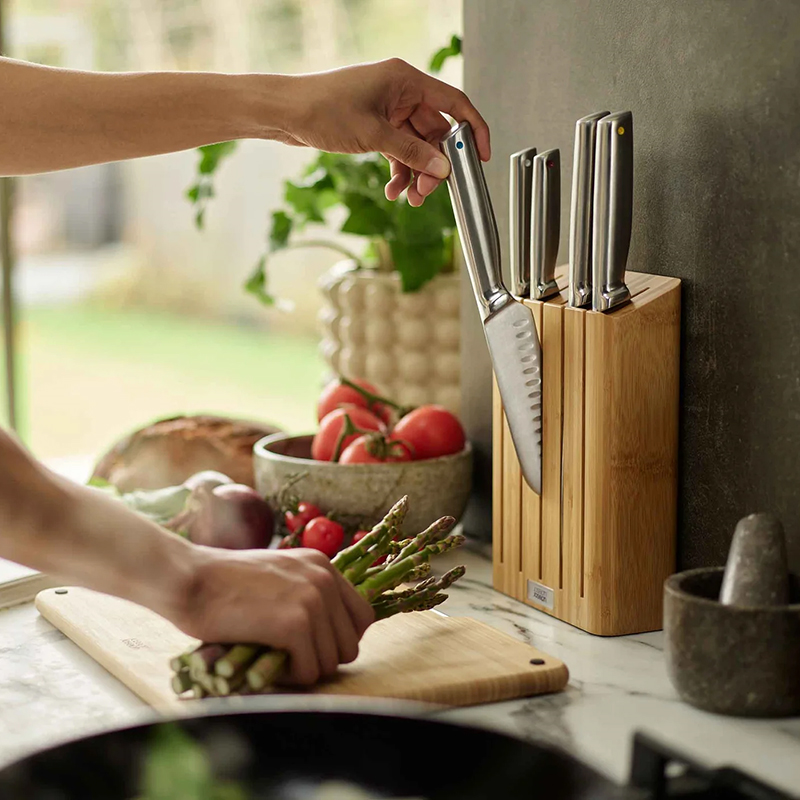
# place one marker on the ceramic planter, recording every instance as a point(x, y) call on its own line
point(407, 344)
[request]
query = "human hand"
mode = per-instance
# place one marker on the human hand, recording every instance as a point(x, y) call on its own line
point(387, 107)
point(292, 600)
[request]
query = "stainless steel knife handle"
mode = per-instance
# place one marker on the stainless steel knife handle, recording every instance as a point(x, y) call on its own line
point(477, 226)
point(520, 186)
point(580, 231)
point(545, 223)
point(613, 210)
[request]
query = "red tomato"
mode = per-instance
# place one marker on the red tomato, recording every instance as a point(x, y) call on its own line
point(323, 534)
point(368, 449)
point(324, 444)
point(335, 395)
point(358, 536)
point(431, 431)
point(297, 520)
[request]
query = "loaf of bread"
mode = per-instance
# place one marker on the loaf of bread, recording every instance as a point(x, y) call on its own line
point(168, 451)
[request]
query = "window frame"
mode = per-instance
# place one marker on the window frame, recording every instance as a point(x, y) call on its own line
point(9, 305)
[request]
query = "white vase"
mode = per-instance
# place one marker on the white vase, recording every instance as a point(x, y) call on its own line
point(406, 343)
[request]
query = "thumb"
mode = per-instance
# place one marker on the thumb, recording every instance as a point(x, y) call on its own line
point(414, 152)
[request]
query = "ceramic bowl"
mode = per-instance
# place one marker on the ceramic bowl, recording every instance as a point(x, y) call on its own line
point(363, 493)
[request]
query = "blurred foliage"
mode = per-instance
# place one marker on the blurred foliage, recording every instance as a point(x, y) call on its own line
point(420, 241)
point(176, 767)
point(203, 189)
point(440, 56)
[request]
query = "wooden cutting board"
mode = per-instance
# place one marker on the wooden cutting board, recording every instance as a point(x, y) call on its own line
point(423, 657)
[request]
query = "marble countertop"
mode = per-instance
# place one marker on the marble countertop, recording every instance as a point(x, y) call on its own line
point(50, 691)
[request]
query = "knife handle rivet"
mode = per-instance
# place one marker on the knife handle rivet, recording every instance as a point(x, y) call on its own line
point(460, 145)
point(620, 130)
point(537, 662)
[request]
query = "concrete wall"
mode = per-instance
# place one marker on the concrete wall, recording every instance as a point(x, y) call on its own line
point(713, 86)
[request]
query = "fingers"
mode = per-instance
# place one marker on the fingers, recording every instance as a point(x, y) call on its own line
point(293, 600)
point(304, 668)
point(431, 125)
point(426, 184)
point(359, 610)
point(325, 641)
point(342, 631)
point(401, 177)
point(449, 100)
point(415, 197)
point(413, 151)
point(338, 614)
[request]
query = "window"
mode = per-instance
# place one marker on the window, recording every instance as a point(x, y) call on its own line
point(126, 312)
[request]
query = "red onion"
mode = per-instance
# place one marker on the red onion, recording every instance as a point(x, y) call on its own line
point(231, 516)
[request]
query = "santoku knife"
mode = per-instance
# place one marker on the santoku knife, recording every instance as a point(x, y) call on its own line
point(613, 210)
point(545, 223)
point(580, 231)
point(507, 324)
point(520, 185)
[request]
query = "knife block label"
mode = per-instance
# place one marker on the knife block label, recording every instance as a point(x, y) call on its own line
point(541, 594)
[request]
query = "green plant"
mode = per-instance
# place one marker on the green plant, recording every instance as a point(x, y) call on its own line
point(416, 243)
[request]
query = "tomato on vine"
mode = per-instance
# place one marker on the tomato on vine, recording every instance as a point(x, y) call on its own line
point(296, 520)
point(375, 449)
point(338, 394)
point(333, 431)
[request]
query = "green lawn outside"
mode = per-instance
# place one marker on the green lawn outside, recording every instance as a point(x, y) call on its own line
point(88, 375)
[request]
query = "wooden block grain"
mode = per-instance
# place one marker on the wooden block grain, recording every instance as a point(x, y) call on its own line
point(602, 534)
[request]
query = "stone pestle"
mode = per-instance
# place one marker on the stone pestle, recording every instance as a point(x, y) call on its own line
point(732, 634)
point(757, 571)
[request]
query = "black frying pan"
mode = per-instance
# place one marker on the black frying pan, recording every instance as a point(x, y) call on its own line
point(279, 749)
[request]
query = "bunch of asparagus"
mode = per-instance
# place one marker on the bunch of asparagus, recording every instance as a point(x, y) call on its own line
point(219, 670)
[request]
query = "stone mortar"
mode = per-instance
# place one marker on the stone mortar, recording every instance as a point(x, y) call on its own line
point(363, 493)
point(728, 659)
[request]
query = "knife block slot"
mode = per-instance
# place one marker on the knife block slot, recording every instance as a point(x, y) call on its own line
point(595, 548)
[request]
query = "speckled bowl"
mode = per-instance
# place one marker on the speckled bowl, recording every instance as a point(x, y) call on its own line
point(363, 493)
point(728, 659)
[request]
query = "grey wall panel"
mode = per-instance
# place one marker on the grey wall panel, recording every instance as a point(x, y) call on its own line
point(714, 87)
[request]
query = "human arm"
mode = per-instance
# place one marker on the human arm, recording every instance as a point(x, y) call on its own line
point(57, 119)
point(292, 600)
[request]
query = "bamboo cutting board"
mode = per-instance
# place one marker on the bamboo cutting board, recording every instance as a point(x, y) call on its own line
point(424, 656)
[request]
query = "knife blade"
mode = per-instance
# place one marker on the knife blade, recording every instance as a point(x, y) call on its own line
point(508, 324)
point(580, 230)
point(520, 184)
point(613, 210)
point(545, 223)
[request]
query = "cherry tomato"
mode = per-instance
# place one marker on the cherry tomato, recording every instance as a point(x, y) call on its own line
point(324, 443)
point(431, 431)
point(297, 520)
point(358, 536)
point(336, 394)
point(368, 449)
point(323, 534)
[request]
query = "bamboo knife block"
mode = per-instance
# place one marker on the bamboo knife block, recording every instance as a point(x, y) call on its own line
point(595, 548)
